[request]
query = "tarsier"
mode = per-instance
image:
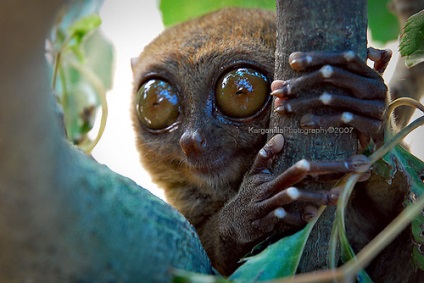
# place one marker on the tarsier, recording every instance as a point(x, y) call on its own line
point(198, 89)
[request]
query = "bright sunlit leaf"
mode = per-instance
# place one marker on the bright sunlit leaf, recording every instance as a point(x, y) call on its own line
point(82, 69)
point(412, 40)
point(413, 168)
point(382, 22)
point(174, 12)
point(278, 260)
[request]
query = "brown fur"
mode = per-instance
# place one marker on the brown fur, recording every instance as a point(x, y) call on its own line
point(199, 50)
point(192, 56)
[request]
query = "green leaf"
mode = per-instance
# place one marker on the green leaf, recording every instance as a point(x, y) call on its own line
point(80, 108)
point(414, 59)
point(84, 67)
point(413, 168)
point(338, 233)
point(181, 276)
point(84, 26)
point(278, 260)
point(412, 40)
point(174, 12)
point(383, 24)
point(347, 254)
point(78, 9)
point(86, 73)
point(99, 57)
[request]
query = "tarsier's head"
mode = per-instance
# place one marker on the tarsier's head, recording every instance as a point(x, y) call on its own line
point(199, 90)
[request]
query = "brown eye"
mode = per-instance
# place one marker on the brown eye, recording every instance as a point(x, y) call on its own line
point(242, 92)
point(157, 104)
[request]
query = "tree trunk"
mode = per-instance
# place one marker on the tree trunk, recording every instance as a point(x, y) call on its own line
point(309, 25)
point(63, 217)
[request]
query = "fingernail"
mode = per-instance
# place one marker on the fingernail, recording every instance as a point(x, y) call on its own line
point(308, 216)
point(277, 84)
point(286, 108)
point(364, 177)
point(273, 146)
point(309, 213)
point(374, 54)
point(333, 198)
point(278, 141)
point(279, 110)
point(280, 105)
point(277, 92)
point(360, 163)
point(295, 56)
point(303, 164)
point(298, 61)
point(284, 91)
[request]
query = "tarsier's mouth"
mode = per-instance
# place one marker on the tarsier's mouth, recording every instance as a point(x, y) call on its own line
point(211, 166)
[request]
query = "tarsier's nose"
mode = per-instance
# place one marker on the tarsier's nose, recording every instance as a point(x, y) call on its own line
point(193, 143)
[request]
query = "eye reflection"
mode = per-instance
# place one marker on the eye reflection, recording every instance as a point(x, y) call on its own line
point(242, 92)
point(157, 104)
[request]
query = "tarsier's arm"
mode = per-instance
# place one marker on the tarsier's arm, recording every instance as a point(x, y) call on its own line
point(259, 208)
point(203, 86)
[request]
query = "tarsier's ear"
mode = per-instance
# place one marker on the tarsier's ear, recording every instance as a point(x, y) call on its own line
point(133, 63)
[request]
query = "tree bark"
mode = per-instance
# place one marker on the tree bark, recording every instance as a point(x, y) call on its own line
point(308, 25)
point(64, 217)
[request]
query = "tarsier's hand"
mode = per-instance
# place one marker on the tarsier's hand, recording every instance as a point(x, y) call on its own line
point(363, 104)
point(259, 206)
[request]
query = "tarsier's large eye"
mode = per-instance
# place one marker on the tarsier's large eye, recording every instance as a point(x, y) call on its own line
point(242, 92)
point(157, 104)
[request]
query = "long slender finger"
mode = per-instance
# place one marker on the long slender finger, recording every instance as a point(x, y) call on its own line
point(292, 194)
point(360, 87)
point(303, 168)
point(266, 154)
point(283, 89)
point(381, 58)
point(302, 61)
point(367, 126)
point(368, 108)
point(357, 86)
